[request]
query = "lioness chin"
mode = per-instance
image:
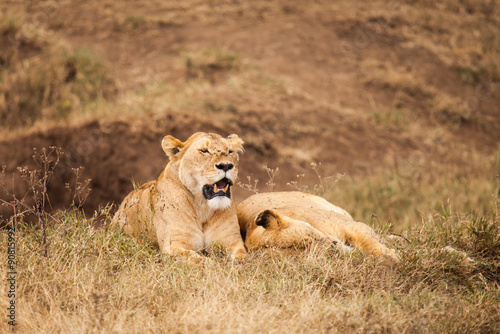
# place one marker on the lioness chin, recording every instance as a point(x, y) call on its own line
point(190, 206)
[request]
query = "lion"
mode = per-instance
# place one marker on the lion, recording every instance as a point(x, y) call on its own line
point(190, 206)
point(296, 219)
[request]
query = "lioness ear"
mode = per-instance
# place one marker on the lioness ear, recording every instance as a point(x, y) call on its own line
point(270, 219)
point(171, 146)
point(236, 143)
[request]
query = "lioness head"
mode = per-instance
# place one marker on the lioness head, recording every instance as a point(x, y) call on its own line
point(208, 165)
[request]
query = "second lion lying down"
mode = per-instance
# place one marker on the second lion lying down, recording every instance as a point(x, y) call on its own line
point(288, 219)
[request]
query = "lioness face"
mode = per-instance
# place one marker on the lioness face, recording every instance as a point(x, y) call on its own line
point(208, 166)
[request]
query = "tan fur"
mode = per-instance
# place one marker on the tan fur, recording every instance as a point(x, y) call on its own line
point(286, 219)
point(173, 213)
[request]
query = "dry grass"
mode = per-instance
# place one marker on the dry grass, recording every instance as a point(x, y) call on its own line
point(421, 185)
point(98, 280)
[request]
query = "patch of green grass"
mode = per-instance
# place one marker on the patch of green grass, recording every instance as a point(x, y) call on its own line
point(135, 185)
point(225, 107)
point(41, 79)
point(394, 119)
point(130, 24)
point(212, 60)
point(472, 76)
point(91, 75)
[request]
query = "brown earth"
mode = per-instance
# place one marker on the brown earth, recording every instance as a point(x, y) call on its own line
point(342, 65)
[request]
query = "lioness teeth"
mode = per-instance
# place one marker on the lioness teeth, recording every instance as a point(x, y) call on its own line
point(217, 189)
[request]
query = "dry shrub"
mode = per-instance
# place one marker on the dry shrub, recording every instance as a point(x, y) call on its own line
point(34, 206)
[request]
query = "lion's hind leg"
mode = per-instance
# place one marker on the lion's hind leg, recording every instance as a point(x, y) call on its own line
point(364, 238)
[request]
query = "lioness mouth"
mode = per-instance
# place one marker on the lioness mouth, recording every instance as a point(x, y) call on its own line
point(220, 188)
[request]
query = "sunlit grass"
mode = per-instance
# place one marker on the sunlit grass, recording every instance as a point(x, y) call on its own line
point(418, 186)
point(101, 280)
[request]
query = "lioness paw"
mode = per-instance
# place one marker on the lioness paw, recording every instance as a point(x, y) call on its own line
point(194, 258)
point(239, 255)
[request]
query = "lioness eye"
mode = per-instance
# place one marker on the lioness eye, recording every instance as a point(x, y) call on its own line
point(231, 151)
point(204, 151)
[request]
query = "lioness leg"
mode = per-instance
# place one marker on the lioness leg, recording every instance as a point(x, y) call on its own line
point(363, 237)
point(229, 237)
point(184, 241)
point(356, 234)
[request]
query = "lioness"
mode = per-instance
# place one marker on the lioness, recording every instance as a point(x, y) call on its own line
point(190, 206)
point(287, 219)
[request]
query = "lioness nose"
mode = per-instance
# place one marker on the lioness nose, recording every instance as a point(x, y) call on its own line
point(224, 166)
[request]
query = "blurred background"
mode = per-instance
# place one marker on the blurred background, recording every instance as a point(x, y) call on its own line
point(389, 109)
